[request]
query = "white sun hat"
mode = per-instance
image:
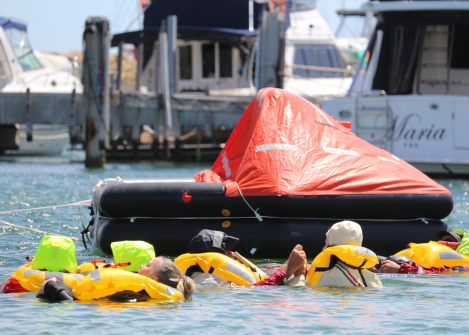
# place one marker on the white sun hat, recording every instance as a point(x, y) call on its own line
point(345, 233)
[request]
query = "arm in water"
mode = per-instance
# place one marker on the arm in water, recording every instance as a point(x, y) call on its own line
point(55, 291)
point(293, 265)
point(414, 268)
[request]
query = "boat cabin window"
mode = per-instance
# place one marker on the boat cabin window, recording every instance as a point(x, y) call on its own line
point(460, 50)
point(316, 56)
point(185, 62)
point(208, 60)
point(225, 61)
point(20, 43)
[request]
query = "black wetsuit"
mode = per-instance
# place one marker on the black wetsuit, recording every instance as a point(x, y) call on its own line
point(56, 291)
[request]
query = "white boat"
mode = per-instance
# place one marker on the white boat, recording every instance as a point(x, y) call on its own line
point(314, 68)
point(21, 69)
point(410, 94)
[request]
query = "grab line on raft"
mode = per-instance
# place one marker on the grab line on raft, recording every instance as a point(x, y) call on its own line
point(133, 218)
point(35, 230)
point(80, 203)
point(258, 216)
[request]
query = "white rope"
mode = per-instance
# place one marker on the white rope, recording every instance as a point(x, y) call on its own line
point(37, 231)
point(250, 217)
point(255, 211)
point(82, 203)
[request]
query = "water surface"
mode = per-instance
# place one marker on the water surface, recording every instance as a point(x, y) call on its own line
point(407, 303)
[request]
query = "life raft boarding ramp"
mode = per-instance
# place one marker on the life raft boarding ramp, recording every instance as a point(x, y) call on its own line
point(295, 166)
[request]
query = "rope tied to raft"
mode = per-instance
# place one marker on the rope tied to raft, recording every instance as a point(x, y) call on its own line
point(85, 230)
point(258, 216)
point(77, 204)
point(36, 230)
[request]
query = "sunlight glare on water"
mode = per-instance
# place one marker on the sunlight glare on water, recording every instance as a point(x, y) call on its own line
point(407, 303)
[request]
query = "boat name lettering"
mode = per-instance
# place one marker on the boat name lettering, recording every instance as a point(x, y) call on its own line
point(404, 131)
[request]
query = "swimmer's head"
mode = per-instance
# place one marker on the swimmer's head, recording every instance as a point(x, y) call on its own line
point(344, 233)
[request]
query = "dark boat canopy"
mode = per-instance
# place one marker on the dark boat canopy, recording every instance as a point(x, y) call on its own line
point(224, 21)
point(234, 37)
point(232, 14)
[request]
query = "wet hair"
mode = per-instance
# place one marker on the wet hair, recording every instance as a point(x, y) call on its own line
point(169, 274)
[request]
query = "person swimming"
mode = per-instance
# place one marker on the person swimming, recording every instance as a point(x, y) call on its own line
point(160, 269)
point(211, 261)
point(345, 235)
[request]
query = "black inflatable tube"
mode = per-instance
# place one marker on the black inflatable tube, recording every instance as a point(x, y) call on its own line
point(273, 238)
point(157, 199)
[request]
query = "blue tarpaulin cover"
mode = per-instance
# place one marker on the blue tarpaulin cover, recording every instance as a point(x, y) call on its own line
point(9, 23)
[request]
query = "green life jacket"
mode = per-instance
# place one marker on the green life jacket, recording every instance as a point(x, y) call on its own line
point(55, 253)
point(463, 248)
point(136, 252)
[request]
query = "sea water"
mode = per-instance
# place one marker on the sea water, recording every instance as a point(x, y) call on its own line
point(407, 303)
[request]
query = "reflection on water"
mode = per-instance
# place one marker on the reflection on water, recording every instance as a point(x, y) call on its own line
point(407, 303)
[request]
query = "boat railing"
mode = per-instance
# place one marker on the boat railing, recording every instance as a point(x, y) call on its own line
point(321, 68)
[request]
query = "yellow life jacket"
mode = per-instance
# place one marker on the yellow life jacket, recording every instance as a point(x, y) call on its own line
point(31, 279)
point(434, 254)
point(223, 266)
point(104, 282)
point(355, 257)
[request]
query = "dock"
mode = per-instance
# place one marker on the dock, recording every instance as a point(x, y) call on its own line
point(113, 122)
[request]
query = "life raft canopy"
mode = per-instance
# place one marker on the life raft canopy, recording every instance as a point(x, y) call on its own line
point(285, 145)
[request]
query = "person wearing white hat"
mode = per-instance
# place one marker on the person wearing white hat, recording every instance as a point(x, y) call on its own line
point(346, 233)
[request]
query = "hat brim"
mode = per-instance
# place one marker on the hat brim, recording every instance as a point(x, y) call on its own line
point(439, 235)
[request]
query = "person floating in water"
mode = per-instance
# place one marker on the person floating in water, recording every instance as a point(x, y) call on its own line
point(208, 261)
point(343, 261)
point(160, 269)
point(211, 262)
point(458, 240)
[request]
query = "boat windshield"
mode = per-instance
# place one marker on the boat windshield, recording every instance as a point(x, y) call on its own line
point(312, 61)
point(20, 42)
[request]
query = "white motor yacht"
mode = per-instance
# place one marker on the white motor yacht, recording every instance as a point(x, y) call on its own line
point(20, 70)
point(314, 68)
point(410, 94)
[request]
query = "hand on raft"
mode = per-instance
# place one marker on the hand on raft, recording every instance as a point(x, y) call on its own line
point(296, 263)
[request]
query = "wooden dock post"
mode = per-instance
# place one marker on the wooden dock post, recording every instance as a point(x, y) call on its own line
point(173, 71)
point(165, 89)
point(29, 119)
point(73, 118)
point(138, 76)
point(96, 89)
point(156, 115)
point(119, 66)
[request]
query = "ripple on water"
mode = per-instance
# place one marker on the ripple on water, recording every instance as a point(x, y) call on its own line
point(407, 303)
